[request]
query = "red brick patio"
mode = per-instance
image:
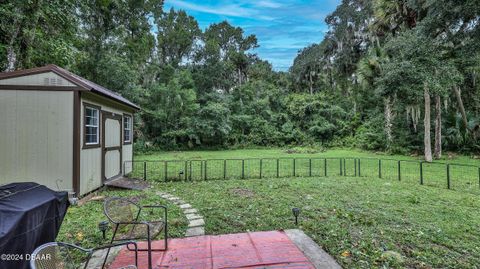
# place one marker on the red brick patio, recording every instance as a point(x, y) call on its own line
point(272, 249)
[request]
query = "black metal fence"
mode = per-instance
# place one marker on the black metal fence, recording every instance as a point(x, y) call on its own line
point(448, 175)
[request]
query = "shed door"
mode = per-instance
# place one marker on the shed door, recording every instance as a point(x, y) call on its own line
point(111, 145)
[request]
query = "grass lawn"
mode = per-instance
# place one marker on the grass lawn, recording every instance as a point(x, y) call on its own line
point(293, 153)
point(264, 163)
point(363, 222)
point(81, 222)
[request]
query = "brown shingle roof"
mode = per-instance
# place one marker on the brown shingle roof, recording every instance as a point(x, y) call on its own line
point(82, 82)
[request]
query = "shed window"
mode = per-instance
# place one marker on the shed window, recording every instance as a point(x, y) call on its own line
point(127, 129)
point(91, 125)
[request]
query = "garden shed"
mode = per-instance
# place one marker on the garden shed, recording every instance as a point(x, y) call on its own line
point(63, 131)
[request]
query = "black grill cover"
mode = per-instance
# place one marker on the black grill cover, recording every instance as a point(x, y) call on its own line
point(30, 215)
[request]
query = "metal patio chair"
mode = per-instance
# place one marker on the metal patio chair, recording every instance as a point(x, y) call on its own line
point(60, 255)
point(125, 216)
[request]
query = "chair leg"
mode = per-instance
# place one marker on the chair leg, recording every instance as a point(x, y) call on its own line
point(149, 242)
point(111, 242)
point(166, 233)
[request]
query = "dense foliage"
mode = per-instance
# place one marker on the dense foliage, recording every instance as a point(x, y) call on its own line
point(383, 67)
point(393, 64)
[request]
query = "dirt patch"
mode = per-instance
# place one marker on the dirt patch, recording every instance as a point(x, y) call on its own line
point(242, 192)
point(303, 150)
point(451, 155)
point(128, 183)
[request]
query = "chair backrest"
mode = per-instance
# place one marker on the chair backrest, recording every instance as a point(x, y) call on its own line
point(56, 255)
point(118, 209)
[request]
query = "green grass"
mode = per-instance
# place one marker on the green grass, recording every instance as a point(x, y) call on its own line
point(362, 222)
point(258, 163)
point(294, 153)
point(81, 222)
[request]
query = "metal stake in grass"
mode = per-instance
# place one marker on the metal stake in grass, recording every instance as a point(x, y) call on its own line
point(296, 213)
point(103, 226)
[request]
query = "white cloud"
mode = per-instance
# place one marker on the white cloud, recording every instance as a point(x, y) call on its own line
point(268, 3)
point(225, 10)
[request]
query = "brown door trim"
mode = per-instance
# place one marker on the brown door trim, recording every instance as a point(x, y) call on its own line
point(76, 143)
point(108, 115)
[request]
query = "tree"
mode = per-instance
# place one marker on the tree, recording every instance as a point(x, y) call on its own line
point(35, 33)
point(169, 112)
point(307, 68)
point(416, 67)
point(176, 37)
point(226, 55)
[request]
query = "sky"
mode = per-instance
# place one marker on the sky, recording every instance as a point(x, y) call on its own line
point(282, 27)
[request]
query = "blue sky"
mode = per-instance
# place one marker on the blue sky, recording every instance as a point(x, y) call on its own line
point(282, 27)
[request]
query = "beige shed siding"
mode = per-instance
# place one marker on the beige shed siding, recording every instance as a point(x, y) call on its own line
point(42, 79)
point(127, 155)
point(91, 159)
point(36, 137)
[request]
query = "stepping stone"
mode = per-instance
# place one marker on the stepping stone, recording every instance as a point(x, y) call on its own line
point(98, 257)
point(185, 206)
point(196, 223)
point(195, 231)
point(177, 201)
point(191, 217)
point(190, 211)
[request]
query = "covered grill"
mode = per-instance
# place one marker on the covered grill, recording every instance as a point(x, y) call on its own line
point(30, 215)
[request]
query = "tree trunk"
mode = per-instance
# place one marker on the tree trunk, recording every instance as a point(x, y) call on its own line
point(239, 77)
point(11, 54)
point(426, 122)
point(311, 82)
point(438, 128)
point(458, 94)
point(388, 121)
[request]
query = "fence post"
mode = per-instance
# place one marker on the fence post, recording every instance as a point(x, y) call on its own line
point(479, 177)
point(421, 173)
point(165, 170)
point(359, 168)
point(310, 167)
point(278, 174)
point(261, 164)
point(341, 164)
point(186, 174)
point(190, 172)
point(243, 168)
point(294, 173)
point(144, 170)
point(344, 167)
point(379, 168)
point(201, 170)
point(224, 169)
point(205, 170)
point(399, 172)
point(355, 161)
point(325, 166)
point(448, 176)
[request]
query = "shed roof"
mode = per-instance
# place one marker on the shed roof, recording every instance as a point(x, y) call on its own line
point(81, 82)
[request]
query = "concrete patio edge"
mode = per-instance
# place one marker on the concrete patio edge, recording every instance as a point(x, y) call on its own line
point(317, 256)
